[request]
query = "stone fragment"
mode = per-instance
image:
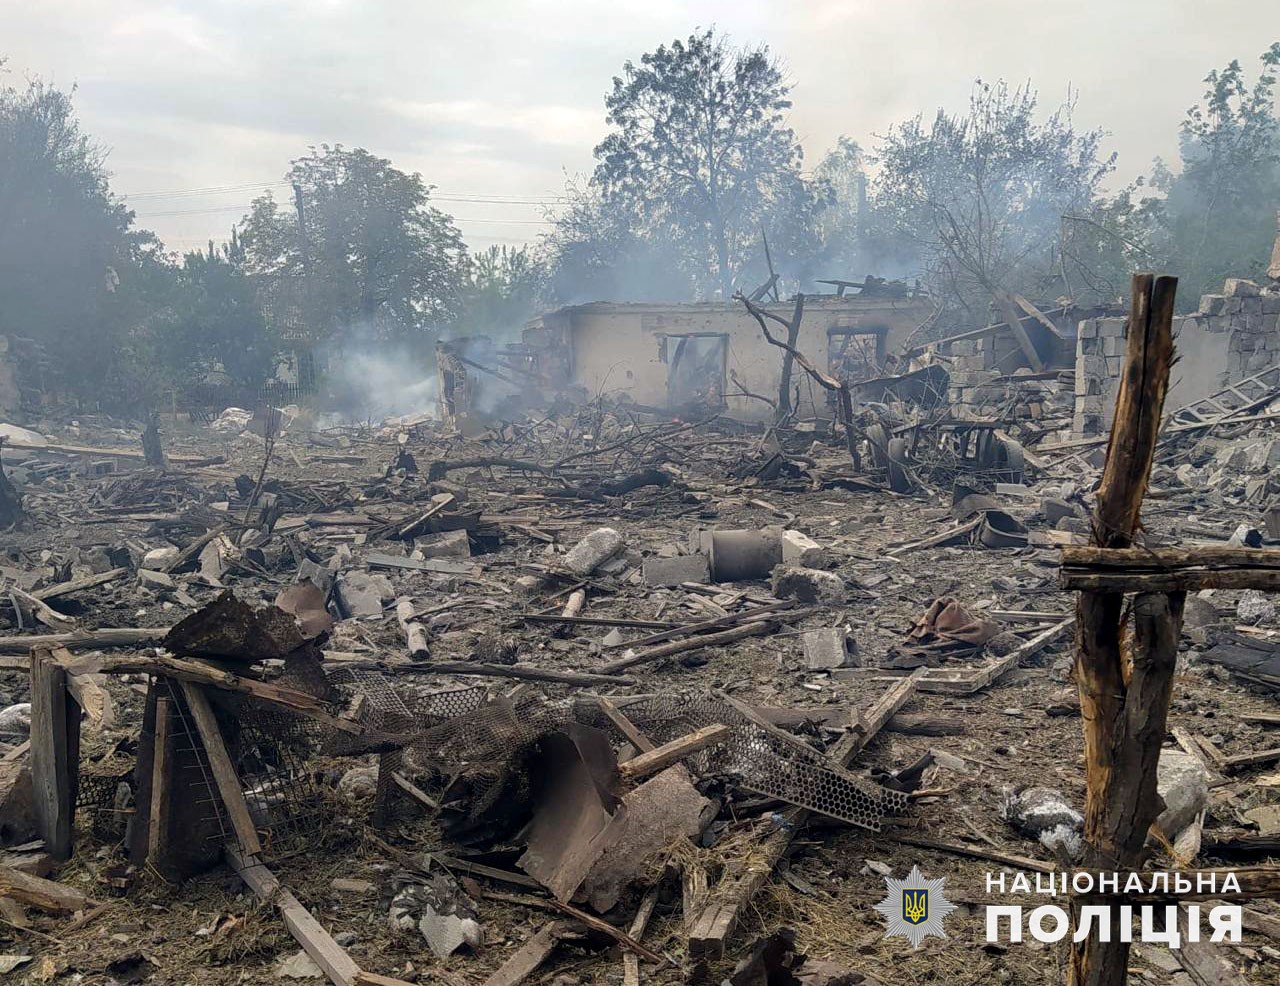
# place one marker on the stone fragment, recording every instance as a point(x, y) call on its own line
point(449, 544)
point(158, 559)
point(829, 647)
point(808, 585)
point(1255, 607)
point(593, 550)
point(800, 549)
point(1183, 785)
point(673, 571)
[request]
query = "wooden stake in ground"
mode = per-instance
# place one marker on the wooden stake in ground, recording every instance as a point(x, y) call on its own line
point(1124, 693)
point(55, 752)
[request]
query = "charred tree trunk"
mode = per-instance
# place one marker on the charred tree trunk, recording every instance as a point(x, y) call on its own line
point(1124, 697)
point(793, 338)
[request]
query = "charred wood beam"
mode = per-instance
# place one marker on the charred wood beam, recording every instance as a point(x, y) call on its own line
point(1169, 569)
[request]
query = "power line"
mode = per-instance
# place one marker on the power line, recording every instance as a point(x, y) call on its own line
point(481, 198)
point(244, 208)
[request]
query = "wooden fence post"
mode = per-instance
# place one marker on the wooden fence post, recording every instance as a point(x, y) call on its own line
point(55, 752)
point(1124, 692)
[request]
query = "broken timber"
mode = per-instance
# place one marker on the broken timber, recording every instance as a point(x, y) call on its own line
point(664, 756)
point(771, 842)
point(1169, 569)
point(984, 676)
point(332, 959)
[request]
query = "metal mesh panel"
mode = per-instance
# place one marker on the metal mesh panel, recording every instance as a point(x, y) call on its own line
point(271, 750)
point(189, 750)
point(762, 763)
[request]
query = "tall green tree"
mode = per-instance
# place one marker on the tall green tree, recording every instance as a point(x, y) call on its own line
point(1216, 218)
point(979, 196)
point(73, 271)
point(502, 292)
point(700, 158)
point(369, 255)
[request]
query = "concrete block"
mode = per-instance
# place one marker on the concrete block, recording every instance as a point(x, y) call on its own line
point(1113, 346)
point(449, 544)
point(593, 550)
point(808, 585)
point(158, 558)
point(800, 549)
point(1183, 786)
point(1111, 328)
point(1233, 306)
point(1240, 287)
point(1251, 306)
point(1271, 304)
point(673, 571)
point(828, 648)
point(1087, 329)
point(1212, 304)
point(1054, 510)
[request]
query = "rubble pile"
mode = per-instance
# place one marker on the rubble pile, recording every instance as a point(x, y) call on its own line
point(593, 695)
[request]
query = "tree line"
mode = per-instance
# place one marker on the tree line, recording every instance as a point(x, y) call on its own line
point(700, 189)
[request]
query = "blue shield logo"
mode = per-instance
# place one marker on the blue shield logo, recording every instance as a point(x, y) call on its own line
point(915, 906)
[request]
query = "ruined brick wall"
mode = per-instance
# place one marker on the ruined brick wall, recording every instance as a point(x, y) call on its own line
point(1231, 336)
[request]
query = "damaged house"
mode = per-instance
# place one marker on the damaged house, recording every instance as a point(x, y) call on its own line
point(675, 357)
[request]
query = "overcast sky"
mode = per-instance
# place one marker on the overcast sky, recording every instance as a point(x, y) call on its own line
point(499, 99)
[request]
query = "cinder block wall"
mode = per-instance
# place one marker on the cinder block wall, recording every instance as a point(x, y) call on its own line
point(1233, 335)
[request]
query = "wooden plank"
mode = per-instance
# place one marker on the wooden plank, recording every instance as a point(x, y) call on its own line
point(1251, 759)
point(713, 624)
point(631, 961)
point(1014, 321)
point(79, 585)
point(522, 963)
point(870, 723)
point(934, 540)
point(224, 772)
point(161, 758)
point(332, 959)
point(366, 978)
point(415, 792)
point(35, 891)
point(974, 852)
point(55, 753)
point(85, 639)
point(667, 754)
point(1168, 569)
point(639, 740)
point(691, 644)
point(590, 920)
point(983, 677)
point(1036, 313)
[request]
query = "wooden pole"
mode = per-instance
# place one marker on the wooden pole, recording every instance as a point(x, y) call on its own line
point(1124, 693)
point(55, 753)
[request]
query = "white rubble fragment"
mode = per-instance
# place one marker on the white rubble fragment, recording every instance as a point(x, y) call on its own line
point(232, 421)
point(593, 551)
point(1255, 607)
